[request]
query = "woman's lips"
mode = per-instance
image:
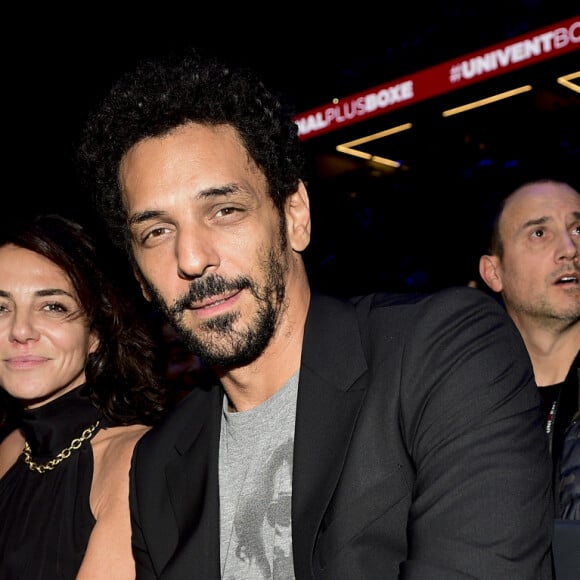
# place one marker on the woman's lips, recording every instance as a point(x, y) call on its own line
point(25, 362)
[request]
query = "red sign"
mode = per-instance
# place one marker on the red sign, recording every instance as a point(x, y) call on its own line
point(524, 50)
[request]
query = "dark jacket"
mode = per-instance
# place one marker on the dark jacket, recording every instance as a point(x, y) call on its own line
point(566, 482)
point(419, 452)
point(566, 446)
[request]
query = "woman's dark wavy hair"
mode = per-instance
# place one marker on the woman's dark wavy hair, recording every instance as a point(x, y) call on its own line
point(124, 372)
point(165, 93)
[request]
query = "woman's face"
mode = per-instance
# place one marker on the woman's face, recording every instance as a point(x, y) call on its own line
point(45, 339)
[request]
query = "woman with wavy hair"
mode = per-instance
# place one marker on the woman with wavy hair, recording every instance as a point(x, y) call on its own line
point(78, 357)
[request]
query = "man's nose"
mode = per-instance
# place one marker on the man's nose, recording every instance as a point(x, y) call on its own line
point(196, 253)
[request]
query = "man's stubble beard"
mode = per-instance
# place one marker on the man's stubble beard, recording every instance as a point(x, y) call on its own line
point(217, 342)
point(547, 311)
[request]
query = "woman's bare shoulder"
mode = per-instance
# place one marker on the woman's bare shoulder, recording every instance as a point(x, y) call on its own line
point(120, 436)
point(113, 447)
point(112, 451)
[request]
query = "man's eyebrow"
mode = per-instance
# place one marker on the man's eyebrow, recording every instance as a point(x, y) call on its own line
point(536, 222)
point(545, 219)
point(224, 190)
point(143, 216)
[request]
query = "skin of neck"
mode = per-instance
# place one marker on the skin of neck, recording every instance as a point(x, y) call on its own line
point(552, 349)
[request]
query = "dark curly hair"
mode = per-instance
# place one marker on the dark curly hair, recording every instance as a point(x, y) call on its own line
point(124, 373)
point(183, 87)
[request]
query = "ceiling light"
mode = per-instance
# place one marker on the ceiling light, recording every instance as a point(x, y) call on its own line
point(566, 81)
point(487, 101)
point(348, 147)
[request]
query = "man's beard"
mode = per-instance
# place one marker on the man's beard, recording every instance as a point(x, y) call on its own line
point(547, 311)
point(217, 342)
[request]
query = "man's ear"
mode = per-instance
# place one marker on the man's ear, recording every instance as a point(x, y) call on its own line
point(298, 218)
point(489, 271)
point(144, 291)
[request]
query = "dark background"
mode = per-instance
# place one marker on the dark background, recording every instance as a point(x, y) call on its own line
point(418, 229)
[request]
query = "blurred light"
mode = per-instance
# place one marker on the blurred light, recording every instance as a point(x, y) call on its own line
point(487, 101)
point(348, 147)
point(565, 81)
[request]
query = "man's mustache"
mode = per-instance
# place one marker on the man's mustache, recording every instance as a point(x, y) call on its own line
point(204, 288)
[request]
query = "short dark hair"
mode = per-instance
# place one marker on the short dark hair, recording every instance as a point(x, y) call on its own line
point(495, 244)
point(173, 90)
point(124, 373)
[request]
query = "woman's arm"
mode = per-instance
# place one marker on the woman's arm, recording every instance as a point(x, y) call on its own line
point(109, 555)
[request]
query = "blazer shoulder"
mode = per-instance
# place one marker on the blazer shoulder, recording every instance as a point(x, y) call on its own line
point(442, 302)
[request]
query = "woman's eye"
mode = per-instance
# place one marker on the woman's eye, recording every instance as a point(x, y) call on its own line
point(55, 307)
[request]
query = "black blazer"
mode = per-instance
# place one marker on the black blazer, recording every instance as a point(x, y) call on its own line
point(419, 452)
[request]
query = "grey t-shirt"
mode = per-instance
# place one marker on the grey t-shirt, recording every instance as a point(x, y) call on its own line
point(255, 478)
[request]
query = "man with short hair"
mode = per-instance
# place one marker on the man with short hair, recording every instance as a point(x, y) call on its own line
point(534, 264)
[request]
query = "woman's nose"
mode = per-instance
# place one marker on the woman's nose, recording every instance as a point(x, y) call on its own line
point(22, 328)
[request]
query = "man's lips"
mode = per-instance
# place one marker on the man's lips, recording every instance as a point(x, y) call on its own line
point(568, 278)
point(215, 303)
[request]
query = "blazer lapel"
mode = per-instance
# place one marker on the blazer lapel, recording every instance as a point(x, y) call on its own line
point(193, 488)
point(328, 404)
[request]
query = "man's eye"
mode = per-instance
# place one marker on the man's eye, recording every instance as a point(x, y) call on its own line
point(225, 211)
point(538, 233)
point(154, 233)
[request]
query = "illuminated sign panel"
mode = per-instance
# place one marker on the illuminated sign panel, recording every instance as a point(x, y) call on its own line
point(500, 58)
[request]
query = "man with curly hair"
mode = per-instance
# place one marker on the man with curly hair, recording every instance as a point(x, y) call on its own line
point(388, 436)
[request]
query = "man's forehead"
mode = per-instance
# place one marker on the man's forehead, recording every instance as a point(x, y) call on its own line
point(540, 201)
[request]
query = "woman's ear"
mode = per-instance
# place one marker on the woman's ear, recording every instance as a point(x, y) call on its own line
point(490, 272)
point(94, 342)
point(298, 218)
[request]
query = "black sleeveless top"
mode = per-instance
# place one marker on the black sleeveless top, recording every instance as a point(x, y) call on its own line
point(45, 518)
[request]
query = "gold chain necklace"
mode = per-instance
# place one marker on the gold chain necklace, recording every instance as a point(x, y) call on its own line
point(64, 454)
